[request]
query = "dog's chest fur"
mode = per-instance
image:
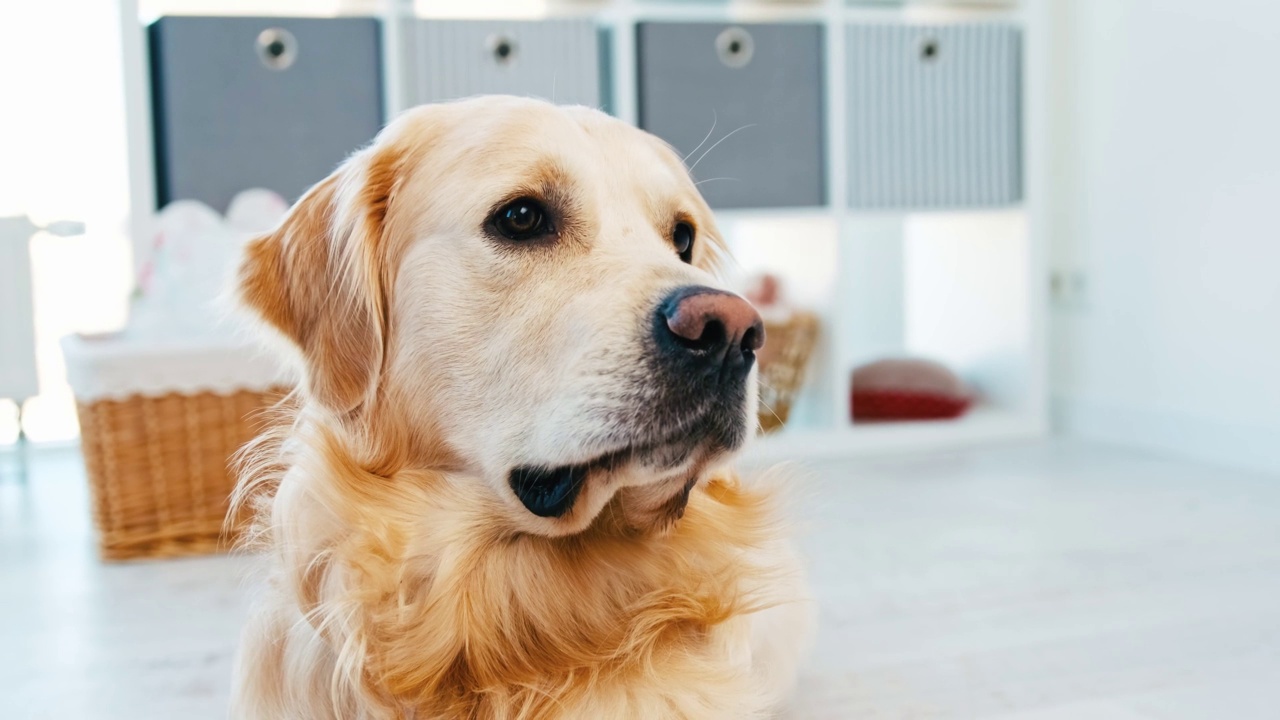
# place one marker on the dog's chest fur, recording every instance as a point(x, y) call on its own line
point(424, 608)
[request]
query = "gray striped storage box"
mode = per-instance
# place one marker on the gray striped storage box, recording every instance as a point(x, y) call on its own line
point(559, 60)
point(935, 116)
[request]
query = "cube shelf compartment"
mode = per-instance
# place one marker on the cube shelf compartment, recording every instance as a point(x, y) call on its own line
point(271, 102)
point(743, 102)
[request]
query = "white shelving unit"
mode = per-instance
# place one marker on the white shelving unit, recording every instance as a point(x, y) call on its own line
point(859, 308)
point(941, 284)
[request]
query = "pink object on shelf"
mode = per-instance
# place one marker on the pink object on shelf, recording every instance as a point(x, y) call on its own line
point(765, 291)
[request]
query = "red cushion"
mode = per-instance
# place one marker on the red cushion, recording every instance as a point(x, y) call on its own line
point(907, 389)
point(882, 405)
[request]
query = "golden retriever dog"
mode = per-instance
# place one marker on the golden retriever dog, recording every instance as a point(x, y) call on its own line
point(502, 488)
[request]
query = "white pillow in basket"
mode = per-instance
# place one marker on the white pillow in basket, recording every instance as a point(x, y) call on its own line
point(194, 251)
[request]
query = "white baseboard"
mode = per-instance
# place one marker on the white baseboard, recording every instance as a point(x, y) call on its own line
point(1239, 446)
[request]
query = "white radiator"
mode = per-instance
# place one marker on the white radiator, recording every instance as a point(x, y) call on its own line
point(17, 321)
point(17, 318)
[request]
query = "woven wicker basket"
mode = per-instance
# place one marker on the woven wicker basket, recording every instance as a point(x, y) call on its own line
point(789, 343)
point(159, 469)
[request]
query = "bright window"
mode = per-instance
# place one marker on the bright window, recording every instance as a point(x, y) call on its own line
point(62, 156)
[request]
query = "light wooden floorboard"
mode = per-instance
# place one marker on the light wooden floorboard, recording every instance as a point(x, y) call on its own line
point(1056, 581)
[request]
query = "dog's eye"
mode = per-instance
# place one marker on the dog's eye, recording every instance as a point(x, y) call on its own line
point(682, 237)
point(523, 219)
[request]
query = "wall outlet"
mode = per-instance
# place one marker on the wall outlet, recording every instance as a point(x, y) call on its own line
point(1069, 290)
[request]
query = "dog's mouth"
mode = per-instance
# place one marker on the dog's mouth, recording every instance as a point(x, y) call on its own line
point(551, 492)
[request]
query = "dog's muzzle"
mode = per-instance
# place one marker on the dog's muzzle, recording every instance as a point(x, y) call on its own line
point(703, 347)
point(704, 344)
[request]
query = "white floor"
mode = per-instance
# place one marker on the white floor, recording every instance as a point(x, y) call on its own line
point(1049, 582)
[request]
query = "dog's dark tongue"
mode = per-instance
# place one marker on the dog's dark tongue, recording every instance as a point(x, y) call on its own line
point(548, 492)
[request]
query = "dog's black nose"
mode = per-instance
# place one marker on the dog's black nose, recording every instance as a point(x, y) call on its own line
point(711, 329)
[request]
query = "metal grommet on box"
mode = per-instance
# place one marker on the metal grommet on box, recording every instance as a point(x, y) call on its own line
point(735, 47)
point(277, 48)
point(502, 48)
point(929, 49)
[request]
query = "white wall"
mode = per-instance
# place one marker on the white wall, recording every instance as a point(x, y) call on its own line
point(1167, 200)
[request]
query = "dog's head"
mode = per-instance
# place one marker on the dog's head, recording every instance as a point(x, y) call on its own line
point(529, 289)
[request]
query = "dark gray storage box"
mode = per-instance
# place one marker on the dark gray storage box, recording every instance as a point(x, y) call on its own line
point(245, 102)
point(761, 85)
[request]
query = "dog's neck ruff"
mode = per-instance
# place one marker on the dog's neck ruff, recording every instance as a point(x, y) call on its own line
point(427, 600)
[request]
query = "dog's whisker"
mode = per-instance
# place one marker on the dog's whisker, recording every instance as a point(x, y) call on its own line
point(717, 143)
point(705, 139)
point(770, 410)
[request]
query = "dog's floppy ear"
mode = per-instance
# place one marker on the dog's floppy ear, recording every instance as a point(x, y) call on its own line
point(317, 279)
